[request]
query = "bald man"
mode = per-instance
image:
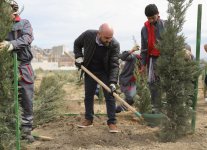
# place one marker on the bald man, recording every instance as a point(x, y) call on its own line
point(98, 51)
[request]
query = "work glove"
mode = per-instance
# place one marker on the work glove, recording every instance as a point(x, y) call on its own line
point(79, 62)
point(113, 88)
point(6, 44)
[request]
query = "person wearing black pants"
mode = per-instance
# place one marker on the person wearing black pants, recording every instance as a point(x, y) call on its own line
point(98, 51)
point(150, 36)
point(90, 87)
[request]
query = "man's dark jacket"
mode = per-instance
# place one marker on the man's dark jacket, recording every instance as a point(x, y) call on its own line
point(159, 27)
point(21, 38)
point(87, 42)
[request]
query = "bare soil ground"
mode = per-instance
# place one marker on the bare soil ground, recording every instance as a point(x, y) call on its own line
point(133, 135)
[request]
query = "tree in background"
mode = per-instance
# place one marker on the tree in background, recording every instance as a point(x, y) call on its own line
point(177, 74)
point(48, 99)
point(7, 111)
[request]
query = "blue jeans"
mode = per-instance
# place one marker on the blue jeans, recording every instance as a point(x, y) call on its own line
point(90, 88)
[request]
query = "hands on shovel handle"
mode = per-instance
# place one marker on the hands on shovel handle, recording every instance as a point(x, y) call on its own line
point(114, 94)
point(79, 64)
point(113, 88)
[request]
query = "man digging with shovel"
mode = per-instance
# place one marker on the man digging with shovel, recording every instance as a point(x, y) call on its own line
point(98, 51)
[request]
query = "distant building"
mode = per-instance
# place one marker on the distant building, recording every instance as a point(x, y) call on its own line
point(56, 53)
point(65, 60)
point(48, 58)
point(37, 54)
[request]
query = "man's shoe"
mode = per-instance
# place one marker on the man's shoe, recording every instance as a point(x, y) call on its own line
point(118, 109)
point(113, 128)
point(86, 123)
point(155, 111)
point(121, 108)
point(28, 138)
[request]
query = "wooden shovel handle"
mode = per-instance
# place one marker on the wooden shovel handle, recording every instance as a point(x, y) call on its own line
point(109, 90)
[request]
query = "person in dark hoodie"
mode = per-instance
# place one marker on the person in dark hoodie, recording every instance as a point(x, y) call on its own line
point(127, 79)
point(19, 40)
point(150, 36)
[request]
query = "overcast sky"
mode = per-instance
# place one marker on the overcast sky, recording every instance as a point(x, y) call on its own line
point(57, 22)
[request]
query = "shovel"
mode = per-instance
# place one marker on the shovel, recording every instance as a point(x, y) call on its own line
point(109, 90)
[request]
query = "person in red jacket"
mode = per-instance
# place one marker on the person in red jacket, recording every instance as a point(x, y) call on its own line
point(150, 36)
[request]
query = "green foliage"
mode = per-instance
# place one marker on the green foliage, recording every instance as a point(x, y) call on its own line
point(39, 70)
point(67, 76)
point(7, 113)
point(142, 99)
point(177, 74)
point(48, 99)
point(5, 17)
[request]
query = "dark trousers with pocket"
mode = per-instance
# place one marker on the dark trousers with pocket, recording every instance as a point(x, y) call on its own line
point(154, 84)
point(90, 88)
point(26, 93)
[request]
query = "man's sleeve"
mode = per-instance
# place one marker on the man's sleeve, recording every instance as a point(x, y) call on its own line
point(26, 38)
point(126, 56)
point(78, 45)
point(144, 46)
point(114, 63)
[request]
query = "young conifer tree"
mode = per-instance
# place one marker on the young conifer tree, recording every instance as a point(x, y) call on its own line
point(177, 73)
point(7, 113)
point(142, 99)
point(48, 99)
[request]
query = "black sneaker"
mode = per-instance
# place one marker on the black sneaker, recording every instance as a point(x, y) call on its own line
point(120, 108)
point(155, 111)
point(26, 135)
point(28, 138)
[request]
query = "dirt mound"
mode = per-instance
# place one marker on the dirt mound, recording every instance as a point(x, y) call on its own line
point(132, 136)
point(68, 136)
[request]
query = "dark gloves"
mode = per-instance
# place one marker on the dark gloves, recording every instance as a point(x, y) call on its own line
point(79, 62)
